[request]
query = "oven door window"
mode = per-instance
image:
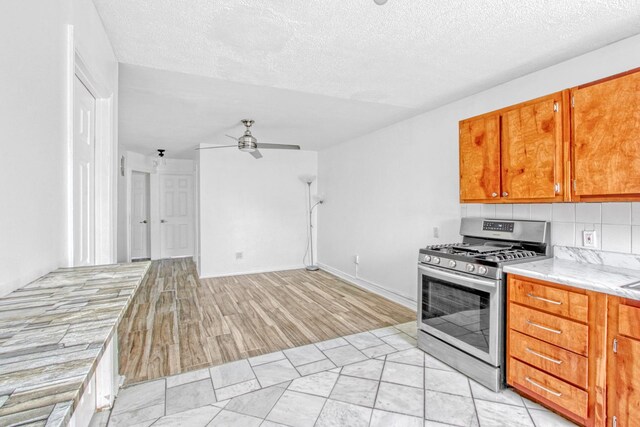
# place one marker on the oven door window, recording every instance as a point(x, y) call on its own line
point(457, 311)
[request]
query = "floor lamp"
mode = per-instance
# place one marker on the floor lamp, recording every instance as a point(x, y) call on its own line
point(309, 181)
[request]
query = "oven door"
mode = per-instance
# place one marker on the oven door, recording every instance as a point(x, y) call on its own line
point(464, 311)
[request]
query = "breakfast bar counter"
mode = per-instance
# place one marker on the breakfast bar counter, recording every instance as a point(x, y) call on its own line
point(53, 334)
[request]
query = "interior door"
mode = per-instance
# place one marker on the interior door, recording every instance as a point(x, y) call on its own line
point(176, 216)
point(480, 159)
point(84, 109)
point(140, 246)
point(606, 145)
point(532, 150)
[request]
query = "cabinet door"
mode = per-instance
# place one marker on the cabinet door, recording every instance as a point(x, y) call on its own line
point(606, 138)
point(480, 159)
point(624, 389)
point(532, 156)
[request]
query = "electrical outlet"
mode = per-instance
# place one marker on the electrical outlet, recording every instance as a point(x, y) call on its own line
point(239, 255)
point(436, 232)
point(589, 239)
point(356, 259)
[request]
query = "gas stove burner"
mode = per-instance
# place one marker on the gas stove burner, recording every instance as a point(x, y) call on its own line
point(445, 246)
point(510, 255)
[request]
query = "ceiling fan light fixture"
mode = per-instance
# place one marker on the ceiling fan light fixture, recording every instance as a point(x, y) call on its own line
point(247, 143)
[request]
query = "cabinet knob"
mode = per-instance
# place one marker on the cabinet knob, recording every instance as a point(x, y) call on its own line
point(494, 194)
point(505, 194)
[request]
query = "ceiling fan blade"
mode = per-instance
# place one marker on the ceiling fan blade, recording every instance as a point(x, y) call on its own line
point(218, 146)
point(256, 154)
point(279, 146)
point(232, 137)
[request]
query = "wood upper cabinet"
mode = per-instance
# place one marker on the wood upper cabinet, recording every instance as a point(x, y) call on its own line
point(515, 155)
point(480, 158)
point(606, 138)
point(532, 150)
point(623, 374)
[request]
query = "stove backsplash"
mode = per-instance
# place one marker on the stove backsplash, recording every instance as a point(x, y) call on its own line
point(617, 225)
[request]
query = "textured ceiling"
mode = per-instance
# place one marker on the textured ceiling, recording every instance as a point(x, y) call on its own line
point(415, 54)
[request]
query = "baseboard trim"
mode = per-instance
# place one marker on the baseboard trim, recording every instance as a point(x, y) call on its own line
point(370, 286)
point(242, 273)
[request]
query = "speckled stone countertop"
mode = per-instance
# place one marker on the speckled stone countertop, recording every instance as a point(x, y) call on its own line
point(52, 334)
point(607, 272)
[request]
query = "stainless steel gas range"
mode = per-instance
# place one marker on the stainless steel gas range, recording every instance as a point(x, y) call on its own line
point(461, 293)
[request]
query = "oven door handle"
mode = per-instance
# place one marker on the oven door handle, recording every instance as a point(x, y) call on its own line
point(472, 282)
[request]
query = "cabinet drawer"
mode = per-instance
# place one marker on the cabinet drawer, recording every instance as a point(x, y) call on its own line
point(629, 321)
point(564, 333)
point(557, 391)
point(553, 300)
point(549, 358)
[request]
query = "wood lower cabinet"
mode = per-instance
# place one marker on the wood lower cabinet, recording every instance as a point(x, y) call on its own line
point(606, 139)
point(623, 375)
point(556, 347)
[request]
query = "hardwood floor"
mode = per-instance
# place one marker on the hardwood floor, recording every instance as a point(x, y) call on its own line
point(178, 323)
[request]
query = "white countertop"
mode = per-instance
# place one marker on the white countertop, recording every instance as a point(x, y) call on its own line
point(592, 270)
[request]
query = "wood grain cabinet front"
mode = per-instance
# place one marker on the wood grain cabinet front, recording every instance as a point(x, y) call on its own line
point(623, 373)
point(556, 347)
point(515, 155)
point(605, 119)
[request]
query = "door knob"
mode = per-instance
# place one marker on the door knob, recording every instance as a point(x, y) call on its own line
point(494, 194)
point(162, 221)
point(144, 221)
point(505, 194)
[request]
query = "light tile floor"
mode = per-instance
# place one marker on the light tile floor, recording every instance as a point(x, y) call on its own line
point(376, 378)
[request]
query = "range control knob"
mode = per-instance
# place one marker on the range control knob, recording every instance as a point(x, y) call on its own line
point(435, 260)
point(482, 269)
point(427, 258)
point(452, 263)
point(470, 268)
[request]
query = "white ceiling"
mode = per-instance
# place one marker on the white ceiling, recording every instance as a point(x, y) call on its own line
point(273, 60)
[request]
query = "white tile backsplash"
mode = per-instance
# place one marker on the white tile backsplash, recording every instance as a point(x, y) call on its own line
point(616, 213)
point(635, 213)
point(635, 239)
point(563, 233)
point(504, 211)
point(611, 221)
point(488, 211)
point(541, 211)
point(521, 211)
point(616, 238)
point(589, 212)
point(564, 212)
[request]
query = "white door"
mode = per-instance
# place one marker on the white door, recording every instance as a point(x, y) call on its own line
point(84, 112)
point(140, 215)
point(176, 216)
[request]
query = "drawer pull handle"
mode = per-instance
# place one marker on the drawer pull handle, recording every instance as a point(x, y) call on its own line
point(555, 331)
point(548, 390)
point(550, 301)
point(542, 356)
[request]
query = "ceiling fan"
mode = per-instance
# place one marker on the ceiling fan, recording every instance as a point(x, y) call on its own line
point(249, 144)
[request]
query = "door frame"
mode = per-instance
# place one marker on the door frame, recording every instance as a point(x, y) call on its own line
point(105, 156)
point(152, 215)
point(130, 216)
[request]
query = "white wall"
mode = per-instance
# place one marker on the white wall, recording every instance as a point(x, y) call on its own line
point(33, 84)
point(387, 190)
point(258, 207)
